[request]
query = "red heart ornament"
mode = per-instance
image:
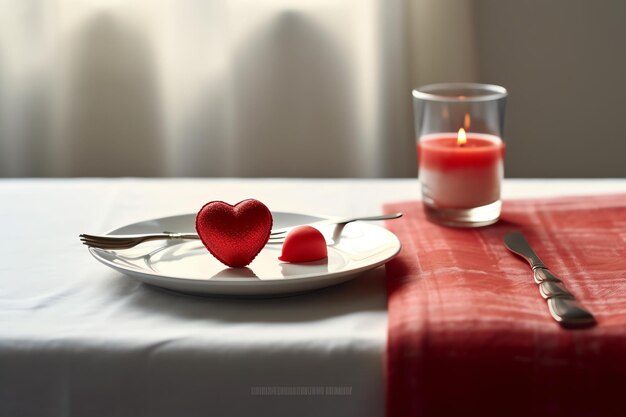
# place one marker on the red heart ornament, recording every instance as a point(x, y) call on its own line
point(234, 234)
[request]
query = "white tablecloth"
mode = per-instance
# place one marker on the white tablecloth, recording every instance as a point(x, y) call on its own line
point(78, 339)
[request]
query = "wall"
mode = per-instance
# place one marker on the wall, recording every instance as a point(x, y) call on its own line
point(286, 88)
point(564, 64)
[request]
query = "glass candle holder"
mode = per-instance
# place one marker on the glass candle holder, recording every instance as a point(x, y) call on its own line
point(460, 151)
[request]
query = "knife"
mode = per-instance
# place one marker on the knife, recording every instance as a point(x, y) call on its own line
point(563, 306)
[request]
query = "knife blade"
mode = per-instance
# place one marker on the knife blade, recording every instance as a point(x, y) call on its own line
point(517, 243)
point(563, 306)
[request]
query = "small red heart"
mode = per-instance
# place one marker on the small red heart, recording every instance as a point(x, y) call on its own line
point(234, 234)
point(304, 244)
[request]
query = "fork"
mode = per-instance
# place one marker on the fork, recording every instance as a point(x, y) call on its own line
point(112, 242)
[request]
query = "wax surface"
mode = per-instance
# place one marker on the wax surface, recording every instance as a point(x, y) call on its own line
point(441, 151)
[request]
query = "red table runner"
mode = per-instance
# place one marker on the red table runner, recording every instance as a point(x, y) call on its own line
point(469, 333)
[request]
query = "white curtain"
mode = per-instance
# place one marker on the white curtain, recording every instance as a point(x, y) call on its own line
point(301, 88)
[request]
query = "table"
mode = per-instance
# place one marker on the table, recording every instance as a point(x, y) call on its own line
point(78, 339)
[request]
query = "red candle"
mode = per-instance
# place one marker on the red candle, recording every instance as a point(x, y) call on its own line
point(459, 170)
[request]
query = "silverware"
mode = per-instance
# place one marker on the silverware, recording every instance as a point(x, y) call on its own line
point(562, 304)
point(276, 236)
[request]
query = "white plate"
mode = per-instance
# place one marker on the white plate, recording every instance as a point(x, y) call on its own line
point(186, 266)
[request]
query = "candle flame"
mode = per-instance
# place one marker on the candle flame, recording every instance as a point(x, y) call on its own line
point(467, 122)
point(461, 138)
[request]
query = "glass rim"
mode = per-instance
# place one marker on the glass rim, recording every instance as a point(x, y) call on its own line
point(432, 92)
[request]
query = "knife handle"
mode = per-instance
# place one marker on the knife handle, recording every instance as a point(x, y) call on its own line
point(541, 274)
point(562, 304)
point(569, 313)
point(549, 289)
